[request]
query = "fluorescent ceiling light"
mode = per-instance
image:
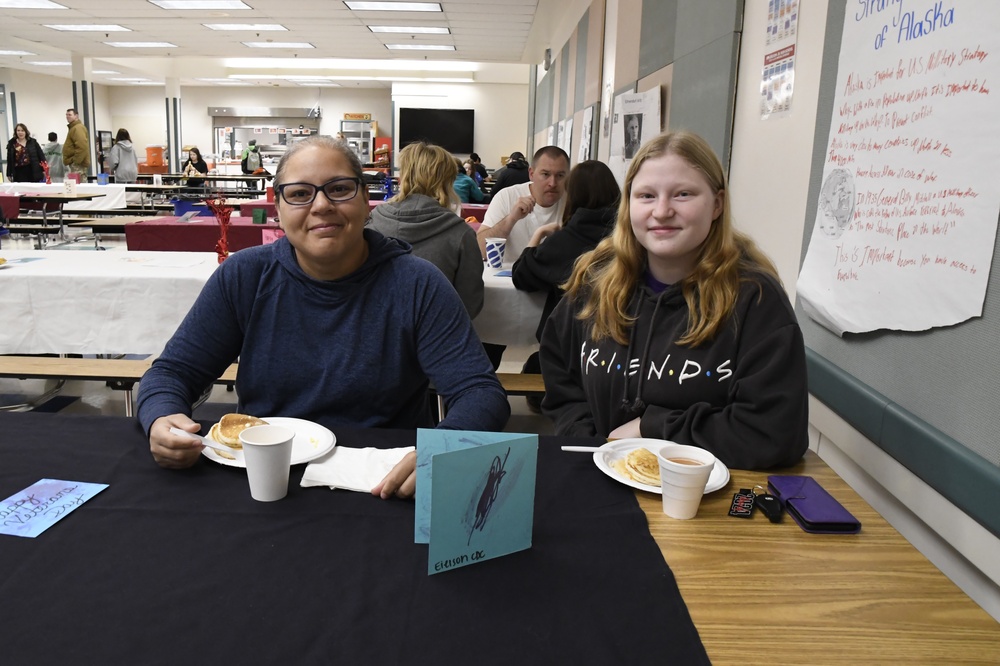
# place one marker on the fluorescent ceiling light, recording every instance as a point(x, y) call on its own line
point(412, 30)
point(16, 53)
point(257, 27)
point(279, 45)
point(89, 27)
point(50, 63)
point(105, 71)
point(422, 79)
point(419, 47)
point(29, 4)
point(393, 6)
point(130, 79)
point(142, 45)
point(200, 4)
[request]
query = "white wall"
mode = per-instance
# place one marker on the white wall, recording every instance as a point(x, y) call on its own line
point(769, 185)
point(501, 112)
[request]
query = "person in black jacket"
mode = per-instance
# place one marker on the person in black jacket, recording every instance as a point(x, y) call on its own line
point(676, 326)
point(195, 166)
point(24, 157)
point(547, 262)
point(512, 173)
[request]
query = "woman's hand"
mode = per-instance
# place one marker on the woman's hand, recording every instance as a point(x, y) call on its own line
point(543, 232)
point(626, 430)
point(174, 451)
point(401, 481)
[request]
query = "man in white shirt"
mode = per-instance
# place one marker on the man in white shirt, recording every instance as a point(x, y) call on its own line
point(517, 211)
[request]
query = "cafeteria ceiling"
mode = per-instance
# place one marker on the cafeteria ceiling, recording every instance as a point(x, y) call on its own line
point(494, 40)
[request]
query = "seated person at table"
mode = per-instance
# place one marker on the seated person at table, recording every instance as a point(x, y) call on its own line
point(333, 323)
point(547, 262)
point(195, 166)
point(465, 185)
point(676, 326)
point(422, 215)
point(518, 210)
point(512, 173)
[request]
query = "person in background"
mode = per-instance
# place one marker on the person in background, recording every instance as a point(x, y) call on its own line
point(676, 326)
point(514, 172)
point(518, 210)
point(122, 160)
point(53, 155)
point(482, 173)
point(76, 149)
point(24, 157)
point(422, 214)
point(382, 326)
point(195, 166)
point(251, 161)
point(465, 187)
point(546, 264)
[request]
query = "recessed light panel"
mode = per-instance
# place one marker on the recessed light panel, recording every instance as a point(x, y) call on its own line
point(279, 45)
point(419, 47)
point(409, 30)
point(89, 27)
point(256, 27)
point(200, 4)
point(29, 4)
point(142, 45)
point(393, 6)
point(16, 53)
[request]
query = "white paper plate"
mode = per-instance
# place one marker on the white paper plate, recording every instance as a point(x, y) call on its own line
point(612, 451)
point(311, 441)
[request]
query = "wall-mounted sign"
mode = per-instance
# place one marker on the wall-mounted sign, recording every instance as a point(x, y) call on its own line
point(357, 116)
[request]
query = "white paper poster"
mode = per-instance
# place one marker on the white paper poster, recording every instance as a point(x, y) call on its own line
point(908, 206)
point(778, 76)
point(636, 119)
point(586, 130)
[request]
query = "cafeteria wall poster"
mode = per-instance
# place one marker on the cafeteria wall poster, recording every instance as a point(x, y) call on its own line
point(908, 202)
point(635, 120)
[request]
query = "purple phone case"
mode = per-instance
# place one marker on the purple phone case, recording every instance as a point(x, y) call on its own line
point(811, 506)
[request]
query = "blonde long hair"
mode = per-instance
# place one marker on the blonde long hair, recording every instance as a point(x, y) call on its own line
point(606, 277)
point(429, 170)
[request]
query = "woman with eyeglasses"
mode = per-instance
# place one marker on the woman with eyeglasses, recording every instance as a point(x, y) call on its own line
point(333, 323)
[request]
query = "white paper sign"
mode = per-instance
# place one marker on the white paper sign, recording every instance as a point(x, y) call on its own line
point(908, 206)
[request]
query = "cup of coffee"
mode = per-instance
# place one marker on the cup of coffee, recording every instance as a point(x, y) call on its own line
point(494, 251)
point(267, 450)
point(684, 473)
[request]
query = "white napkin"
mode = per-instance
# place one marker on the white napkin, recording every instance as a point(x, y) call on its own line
point(353, 469)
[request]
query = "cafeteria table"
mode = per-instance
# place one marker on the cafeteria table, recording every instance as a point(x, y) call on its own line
point(82, 302)
point(199, 234)
point(183, 567)
point(106, 197)
point(53, 200)
point(509, 316)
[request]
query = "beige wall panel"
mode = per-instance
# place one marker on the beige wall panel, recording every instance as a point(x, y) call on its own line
point(595, 53)
point(627, 47)
point(661, 77)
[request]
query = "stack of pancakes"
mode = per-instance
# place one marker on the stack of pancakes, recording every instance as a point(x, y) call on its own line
point(639, 465)
point(227, 430)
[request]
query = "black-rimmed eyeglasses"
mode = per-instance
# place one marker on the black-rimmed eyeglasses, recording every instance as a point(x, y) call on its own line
point(337, 190)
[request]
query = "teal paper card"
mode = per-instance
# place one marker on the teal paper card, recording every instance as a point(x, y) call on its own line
point(482, 503)
point(42, 504)
point(430, 443)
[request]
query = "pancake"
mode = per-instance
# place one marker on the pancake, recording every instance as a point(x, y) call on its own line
point(642, 466)
point(227, 430)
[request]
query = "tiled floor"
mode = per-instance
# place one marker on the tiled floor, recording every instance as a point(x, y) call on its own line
point(97, 398)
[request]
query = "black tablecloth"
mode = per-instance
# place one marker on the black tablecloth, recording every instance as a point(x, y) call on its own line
point(185, 568)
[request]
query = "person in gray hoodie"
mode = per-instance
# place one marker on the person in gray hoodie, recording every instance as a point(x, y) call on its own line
point(53, 155)
point(422, 215)
point(122, 160)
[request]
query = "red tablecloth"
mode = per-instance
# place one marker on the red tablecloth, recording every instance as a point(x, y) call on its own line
point(246, 209)
point(198, 235)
